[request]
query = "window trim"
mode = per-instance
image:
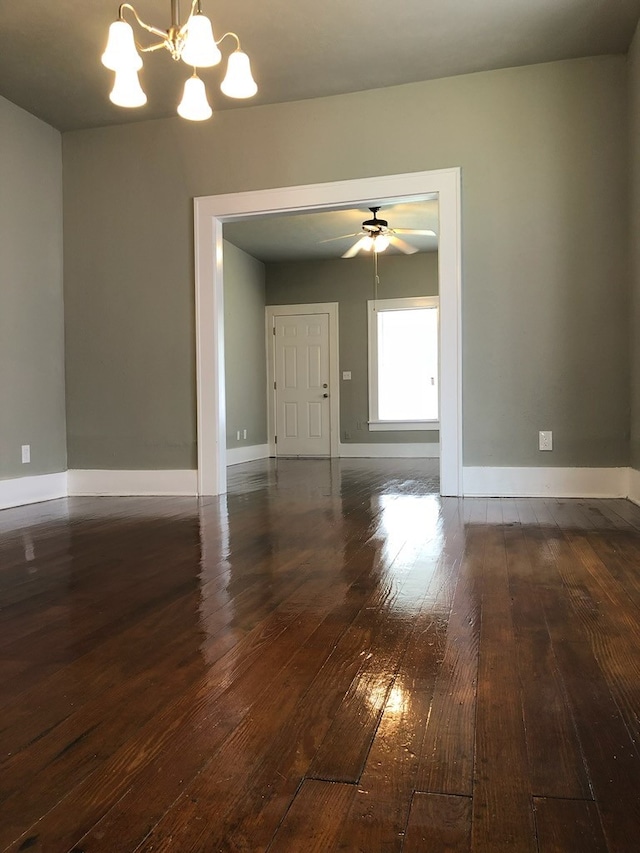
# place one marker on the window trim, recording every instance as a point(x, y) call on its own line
point(398, 304)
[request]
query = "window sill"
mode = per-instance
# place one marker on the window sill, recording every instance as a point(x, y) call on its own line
point(387, 426)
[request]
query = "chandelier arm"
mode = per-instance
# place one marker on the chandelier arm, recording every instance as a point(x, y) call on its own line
point(229, 34)
point(195, 4)
point(158, 46)
point(156, 32)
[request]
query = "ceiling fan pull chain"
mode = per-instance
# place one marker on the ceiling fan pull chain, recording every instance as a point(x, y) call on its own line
point(376, 280)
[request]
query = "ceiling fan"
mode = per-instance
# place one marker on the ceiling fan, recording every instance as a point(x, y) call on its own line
point(377, 235)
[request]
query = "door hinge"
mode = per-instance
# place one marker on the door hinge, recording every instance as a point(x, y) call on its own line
point(274, 330)
point(274, 386)
point(276, 439)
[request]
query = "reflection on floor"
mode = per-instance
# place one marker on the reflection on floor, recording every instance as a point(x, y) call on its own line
point(329, 658)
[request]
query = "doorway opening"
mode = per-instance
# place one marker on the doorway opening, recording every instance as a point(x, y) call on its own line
point(210, 214)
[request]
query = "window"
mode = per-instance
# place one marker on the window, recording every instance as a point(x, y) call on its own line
point(403, 363)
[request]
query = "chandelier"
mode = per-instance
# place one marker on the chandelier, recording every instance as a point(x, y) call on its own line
point(192, 42)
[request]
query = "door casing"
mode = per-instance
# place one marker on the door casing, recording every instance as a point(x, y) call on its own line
point(210, 212)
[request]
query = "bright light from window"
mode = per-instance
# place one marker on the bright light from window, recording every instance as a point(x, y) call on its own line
point(408, 364)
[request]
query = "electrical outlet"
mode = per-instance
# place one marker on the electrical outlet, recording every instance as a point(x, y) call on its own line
point(26, 453)
point(346, 374)
point(545, 440)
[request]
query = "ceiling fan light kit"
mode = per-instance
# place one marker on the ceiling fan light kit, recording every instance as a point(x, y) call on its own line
point(377, 242)
point(192, 42)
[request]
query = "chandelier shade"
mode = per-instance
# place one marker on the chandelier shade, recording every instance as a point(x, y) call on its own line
point(121, 53)
point(194, 105)
point(193, 42)
point(127, 91)
point(238, 81)
point(200, 48)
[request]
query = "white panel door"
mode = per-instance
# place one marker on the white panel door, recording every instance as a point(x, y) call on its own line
point(302, 385)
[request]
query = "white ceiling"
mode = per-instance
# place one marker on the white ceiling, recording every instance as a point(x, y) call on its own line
point(300, 237)
point(50, 56)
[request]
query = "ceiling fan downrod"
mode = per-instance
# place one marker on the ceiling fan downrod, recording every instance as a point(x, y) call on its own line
point(375, 225)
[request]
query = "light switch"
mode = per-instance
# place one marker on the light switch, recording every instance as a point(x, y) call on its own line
point(26, 453)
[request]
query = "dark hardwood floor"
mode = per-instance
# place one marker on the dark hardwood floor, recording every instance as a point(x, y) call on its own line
point(329, 658)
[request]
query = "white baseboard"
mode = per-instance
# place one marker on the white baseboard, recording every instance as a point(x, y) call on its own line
point(633, 485)
point(478, 481)
point(31, 490)
point(121, 483)
point(547, 482)
point(249, 453)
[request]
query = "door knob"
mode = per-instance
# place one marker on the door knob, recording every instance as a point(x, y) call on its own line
point(325, 385)
point(325, 395)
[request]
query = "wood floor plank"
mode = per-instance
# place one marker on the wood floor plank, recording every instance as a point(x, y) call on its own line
point(626, 512)
point(603, 607)
point(380, 808)
point(314, 819)
point(438, 823)
point(446, 756)
point(343, 752)
point(502, 810)
point(565, 826)
point(556, 761)
point(610, 752)
point(510, 514)
point(619, 553)
point(611, 755)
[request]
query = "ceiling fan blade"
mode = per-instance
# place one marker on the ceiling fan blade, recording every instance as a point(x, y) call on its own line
point(341, 237)
point(414, 231)
point(402, 245)
point(357, 246)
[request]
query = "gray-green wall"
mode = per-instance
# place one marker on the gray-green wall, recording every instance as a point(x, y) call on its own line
point(543, 151)
point(350, 284)
point(31, 305)
point(634, 242)
point(244, 348)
